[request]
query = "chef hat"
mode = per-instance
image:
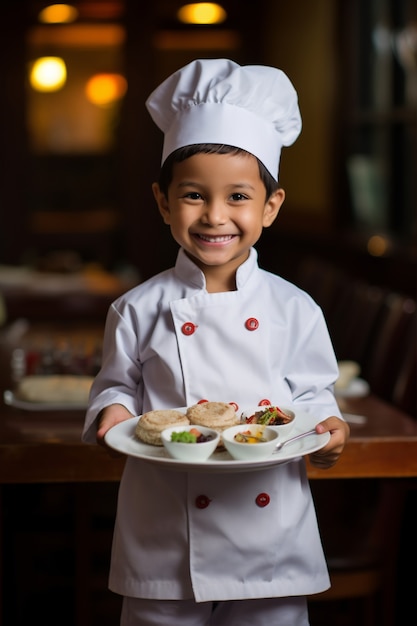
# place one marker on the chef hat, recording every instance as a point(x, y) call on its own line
point(253, 107)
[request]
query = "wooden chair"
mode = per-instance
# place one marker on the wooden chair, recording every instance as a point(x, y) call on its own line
point(353, 320)
point(388, 353)
point(324, 282)
point(404, 394)
point(351, 306)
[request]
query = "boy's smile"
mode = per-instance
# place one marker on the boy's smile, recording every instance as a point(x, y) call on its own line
point(216, 209)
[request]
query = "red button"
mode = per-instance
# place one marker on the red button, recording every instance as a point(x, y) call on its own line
point(202, 502)
point(264, 402)
point(188, 328)
point(252, 323)
point(234, 405)
point(262, 499)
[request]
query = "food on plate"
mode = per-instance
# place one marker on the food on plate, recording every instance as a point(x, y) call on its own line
point(151, 424)
point(249, 436)
point(216, 415)
point(250, 442)
point(190, 444)
point(55, 389)
point(270, 416)
point(190, 436)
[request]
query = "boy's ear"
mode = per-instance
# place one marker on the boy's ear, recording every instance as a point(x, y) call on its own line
point(272, 207)
point(162, 202)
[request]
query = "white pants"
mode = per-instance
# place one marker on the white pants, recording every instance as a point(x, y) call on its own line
point(264, 612)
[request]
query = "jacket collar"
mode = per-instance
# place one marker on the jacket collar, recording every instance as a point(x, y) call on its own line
point(188, 271)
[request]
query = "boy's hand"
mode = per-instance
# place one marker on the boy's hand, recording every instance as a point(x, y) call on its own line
point(109, 417)
point(339, 434)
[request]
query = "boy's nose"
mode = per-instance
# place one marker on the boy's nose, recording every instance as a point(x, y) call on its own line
point(215, 213)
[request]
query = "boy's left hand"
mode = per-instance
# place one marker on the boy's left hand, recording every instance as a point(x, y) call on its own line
point(339, 434)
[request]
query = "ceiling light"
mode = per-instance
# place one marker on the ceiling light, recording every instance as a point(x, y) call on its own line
point(48, 74)
point(58, 14)
point(202, 13)
point(105, 89)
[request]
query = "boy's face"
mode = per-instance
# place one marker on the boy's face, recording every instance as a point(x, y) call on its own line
point(216, 208)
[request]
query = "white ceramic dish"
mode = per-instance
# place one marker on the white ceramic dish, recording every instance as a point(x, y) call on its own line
point(348, 371)
point(245, 451)
point(283, 429)
point(357, 388)
point(122, 438)
point(190, 452)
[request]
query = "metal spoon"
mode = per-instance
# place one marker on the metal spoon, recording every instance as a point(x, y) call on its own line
point(281, 444)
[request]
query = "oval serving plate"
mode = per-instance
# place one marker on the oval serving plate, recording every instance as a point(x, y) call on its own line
point(122, 438)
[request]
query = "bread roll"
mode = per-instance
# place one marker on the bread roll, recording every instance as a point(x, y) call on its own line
point(152, 423)
point(216, 415)
point(57, 389)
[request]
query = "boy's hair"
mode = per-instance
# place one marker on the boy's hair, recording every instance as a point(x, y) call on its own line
point(186, 152)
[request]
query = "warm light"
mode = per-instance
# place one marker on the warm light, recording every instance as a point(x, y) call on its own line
point(377, 245)
point(58, 14)
point(104, 89)
point(202, 13)
point(48, 74)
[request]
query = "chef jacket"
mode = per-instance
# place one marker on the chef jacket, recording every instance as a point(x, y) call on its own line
point(169, 343)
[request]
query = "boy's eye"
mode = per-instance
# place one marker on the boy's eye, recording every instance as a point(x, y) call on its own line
point(236, 197)
point(192, 195)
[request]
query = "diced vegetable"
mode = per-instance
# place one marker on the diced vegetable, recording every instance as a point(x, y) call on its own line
point(272, 416)
point(190, 436)
point(249, 437)
point(184, 437)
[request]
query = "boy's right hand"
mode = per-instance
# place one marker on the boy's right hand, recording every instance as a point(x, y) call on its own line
point(109, 417)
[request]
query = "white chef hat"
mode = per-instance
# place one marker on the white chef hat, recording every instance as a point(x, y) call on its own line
point(253, 107)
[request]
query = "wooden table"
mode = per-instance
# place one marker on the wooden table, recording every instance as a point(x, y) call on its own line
point(46, 447)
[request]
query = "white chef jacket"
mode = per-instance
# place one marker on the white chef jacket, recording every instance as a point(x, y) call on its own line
point(215, 536)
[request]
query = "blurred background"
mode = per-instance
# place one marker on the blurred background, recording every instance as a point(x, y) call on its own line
point(79, 225)
point(79, 156)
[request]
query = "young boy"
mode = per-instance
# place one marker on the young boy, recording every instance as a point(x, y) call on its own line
point(209, 548)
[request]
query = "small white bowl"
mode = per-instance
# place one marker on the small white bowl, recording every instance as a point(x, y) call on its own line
point(283, 429)
point(190, 452)
point(250, 451)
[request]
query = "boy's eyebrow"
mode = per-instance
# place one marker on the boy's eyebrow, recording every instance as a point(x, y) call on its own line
point(243, 185)
point(190, 183)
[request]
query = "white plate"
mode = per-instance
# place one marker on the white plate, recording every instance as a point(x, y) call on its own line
point(122, 438)
point(358, 388)
point(11, 400)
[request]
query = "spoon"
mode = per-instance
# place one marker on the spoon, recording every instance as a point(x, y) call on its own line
point(281, 444)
